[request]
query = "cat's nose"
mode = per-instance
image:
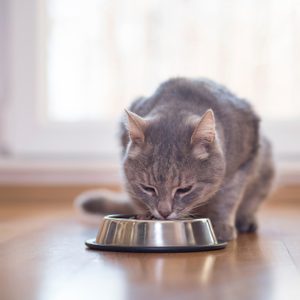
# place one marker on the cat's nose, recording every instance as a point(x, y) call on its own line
point(164, 214)
point(164, 209)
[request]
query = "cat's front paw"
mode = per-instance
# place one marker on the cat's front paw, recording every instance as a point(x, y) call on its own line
point(246, 224)
point(224, 232)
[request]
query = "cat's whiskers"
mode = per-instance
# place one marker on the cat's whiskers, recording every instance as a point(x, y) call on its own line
point(183, 214)
point(188, 210)
point(146, 207)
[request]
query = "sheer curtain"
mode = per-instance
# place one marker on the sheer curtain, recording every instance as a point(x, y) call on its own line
point(103, 53)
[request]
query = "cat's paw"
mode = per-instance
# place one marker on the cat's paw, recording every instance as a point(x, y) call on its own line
point(224, 232)
point(246, 224)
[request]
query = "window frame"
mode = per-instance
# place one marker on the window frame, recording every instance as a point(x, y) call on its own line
point(31, 135)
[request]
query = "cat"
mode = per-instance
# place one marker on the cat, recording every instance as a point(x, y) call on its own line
point(192, 149)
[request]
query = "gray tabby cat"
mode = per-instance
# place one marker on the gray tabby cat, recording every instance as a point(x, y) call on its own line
point(193, 149)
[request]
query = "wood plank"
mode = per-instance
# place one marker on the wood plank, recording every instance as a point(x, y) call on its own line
point(46, 193)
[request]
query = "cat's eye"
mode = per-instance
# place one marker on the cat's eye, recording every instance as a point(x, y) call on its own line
point(148, 189)
point(184, 190)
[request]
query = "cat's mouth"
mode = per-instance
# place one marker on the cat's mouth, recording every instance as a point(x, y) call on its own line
point(172, 216)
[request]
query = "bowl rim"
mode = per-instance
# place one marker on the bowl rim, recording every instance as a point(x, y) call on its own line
point(125, 218)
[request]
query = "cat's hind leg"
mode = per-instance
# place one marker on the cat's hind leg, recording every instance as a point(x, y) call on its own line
point(256, 192)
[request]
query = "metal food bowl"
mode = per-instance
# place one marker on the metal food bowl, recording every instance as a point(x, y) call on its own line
point(128, 234)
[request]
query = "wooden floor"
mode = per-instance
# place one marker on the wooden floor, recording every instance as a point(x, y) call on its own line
point(42, 256)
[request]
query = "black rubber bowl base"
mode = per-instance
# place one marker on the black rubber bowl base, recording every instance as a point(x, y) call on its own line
point(171, 249)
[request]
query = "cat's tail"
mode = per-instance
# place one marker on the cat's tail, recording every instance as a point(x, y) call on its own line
point(92, 205)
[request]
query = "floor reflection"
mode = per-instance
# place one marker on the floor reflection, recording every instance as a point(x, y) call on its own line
point(165, 269)
point(216, 273)
point(53, 264)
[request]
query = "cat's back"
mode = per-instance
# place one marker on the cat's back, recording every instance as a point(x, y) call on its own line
point(194, 95)
point(237, 123)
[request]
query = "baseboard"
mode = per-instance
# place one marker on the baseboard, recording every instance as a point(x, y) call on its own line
point(67, 193)
point(46, 193)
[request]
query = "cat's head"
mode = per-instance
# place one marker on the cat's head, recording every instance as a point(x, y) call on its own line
point(171, 169)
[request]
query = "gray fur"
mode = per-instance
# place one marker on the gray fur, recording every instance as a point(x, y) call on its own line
point(228, 182)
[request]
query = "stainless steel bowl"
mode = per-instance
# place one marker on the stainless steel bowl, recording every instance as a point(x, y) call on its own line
point(124, 233)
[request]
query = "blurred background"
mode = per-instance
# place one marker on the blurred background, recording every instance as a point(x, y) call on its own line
point(69, 67)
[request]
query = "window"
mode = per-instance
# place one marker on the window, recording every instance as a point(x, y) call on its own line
point(75, 65)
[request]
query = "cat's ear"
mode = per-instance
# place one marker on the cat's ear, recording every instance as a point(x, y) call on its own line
point(136, 126)
point(205, 130)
